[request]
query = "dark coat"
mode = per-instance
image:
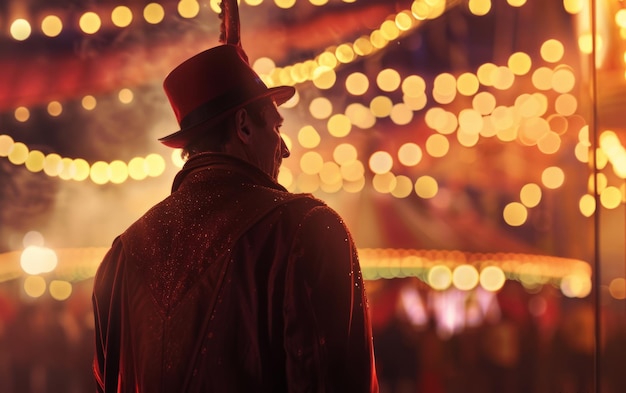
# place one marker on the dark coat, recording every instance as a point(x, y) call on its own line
point(232, 284)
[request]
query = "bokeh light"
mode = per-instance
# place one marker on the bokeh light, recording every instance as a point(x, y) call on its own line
point(90, 22)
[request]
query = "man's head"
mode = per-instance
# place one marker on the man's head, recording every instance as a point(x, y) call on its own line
point(210, 86)
point(251, 133)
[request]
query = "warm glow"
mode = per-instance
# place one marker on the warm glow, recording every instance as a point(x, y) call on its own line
point(389, 30)
point(34, 286)
point(264, 65)
point(465, 277)
point(89, 102)
point(409, 154)
point(34, 161)
point(515, 214)
point(308, 137)
point(81, 169)
point(21, 114)
point(381, 106)
point(617, 288)
point(403, 187)
point(18, 154)
point(99, 172)
point(388, 80)
point(502, 78)
point(530, 195)
point(20, 29)
point(587, 205)
point(136, 168)
point(153, 13)
point(470, 121)
point(320, 108)
point(339, 125)
point(563, 80)
point(286, 4)
point(426, 187)
point(60, 290)
point(573, 6)
point(188, 8)
point(126, 96)
point(352, 171)
point(155, 165)
point(360, 115)
point(90, 23)
point(485, 72)
point(344, 153)
point(55, 108)
point(484, 102)
point(549, 143)
point(344, 53)
point(413, 86)
point(324, 77)
point(6, 145)
point(357, 83)
point(566, 104)
point(519, 63)
point(467, 84)
point(532, 129)
point(492, 278)
point(37, 260)
point(311, 163)
point(384, 182)
point(437, 145)
point(552, 51)
point(52, 164)
point(585, 43)
point(444, 85)
point(553, 177)
point(404, 20)
point(307, 183)
point(542, 78)
point(118, 172)
point(611, 197)
point(576, 285)
point(330, 174)
point(285, 177)
point(363, 46)
point(440, 277)
point(401, 114)
point(121, 16)
point(380, 162)
point(51, 25)
point(479, 7)
point(33, 238)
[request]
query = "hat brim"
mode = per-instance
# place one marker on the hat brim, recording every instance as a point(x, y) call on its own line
point(180, 138)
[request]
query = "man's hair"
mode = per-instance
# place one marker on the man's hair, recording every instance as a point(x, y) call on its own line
point(214, 137)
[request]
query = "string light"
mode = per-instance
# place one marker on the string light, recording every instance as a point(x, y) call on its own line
point(483, 119)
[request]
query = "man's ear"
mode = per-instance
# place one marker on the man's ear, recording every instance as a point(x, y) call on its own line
point(242, 129)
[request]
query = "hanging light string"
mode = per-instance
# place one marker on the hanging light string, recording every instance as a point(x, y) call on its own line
point(484, 119)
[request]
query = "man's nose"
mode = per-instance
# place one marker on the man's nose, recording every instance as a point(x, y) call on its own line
point(284, 149)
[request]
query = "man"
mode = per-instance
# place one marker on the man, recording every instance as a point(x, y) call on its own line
point(231, 284)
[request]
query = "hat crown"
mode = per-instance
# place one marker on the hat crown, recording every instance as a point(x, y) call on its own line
point(210, 75)
point(209, 86)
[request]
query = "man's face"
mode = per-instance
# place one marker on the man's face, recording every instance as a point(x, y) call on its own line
point(267, 146)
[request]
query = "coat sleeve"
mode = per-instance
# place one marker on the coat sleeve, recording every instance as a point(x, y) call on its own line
point(106, 300)
point(328, 338)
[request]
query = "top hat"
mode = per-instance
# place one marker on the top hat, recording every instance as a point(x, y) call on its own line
point(211, 85)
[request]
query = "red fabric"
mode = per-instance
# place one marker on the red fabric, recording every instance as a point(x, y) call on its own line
point(231, 284)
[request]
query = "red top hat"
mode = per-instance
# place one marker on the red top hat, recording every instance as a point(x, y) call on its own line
point(210, 85)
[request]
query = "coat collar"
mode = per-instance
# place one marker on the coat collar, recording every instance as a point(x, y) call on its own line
point(224, 163)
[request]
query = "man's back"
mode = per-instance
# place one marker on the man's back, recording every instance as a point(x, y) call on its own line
point(232, 284)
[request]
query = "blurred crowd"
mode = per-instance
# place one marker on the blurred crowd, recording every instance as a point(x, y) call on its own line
point(47, 345)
